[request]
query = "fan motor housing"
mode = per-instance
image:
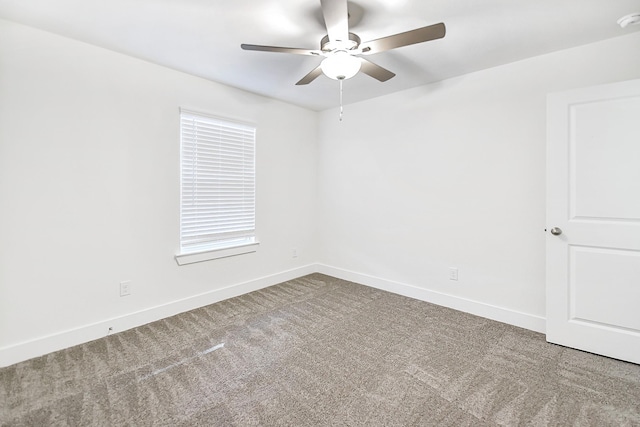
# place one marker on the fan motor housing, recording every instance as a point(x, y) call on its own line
point(327, 46)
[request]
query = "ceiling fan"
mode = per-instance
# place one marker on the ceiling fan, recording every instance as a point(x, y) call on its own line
point(342, 49)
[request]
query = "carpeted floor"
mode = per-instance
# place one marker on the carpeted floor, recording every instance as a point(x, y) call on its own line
point(319, 351)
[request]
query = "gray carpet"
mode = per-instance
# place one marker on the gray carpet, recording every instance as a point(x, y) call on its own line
point(319, 351)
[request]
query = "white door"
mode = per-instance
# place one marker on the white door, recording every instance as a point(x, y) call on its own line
point(593, 201)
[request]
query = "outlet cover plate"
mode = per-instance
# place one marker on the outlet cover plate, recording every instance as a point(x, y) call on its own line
point(125, 288)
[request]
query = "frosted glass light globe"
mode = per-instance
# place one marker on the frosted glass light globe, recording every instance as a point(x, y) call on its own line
point(340, 65)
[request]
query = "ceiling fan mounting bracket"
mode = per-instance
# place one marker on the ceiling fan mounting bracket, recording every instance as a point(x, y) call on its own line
point(327, 45)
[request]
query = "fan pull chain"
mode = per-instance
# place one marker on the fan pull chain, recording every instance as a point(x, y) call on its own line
point(341, 109)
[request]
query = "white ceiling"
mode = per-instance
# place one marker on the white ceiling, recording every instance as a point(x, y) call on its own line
point(203, 37)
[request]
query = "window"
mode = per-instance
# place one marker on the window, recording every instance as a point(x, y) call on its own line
point(217, 187)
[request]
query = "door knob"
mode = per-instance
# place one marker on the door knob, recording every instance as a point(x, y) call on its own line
point(556, 231)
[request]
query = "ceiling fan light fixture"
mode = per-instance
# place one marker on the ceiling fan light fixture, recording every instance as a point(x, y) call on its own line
point(340, 65)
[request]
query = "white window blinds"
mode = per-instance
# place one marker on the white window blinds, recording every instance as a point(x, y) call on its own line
point(217, 208)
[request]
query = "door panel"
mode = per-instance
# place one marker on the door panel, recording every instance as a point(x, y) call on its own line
point(603, 180)
point(593, 196)
point(599, 288)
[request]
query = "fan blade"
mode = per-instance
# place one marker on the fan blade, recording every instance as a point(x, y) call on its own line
point(375, 71)
point(315, 73)
point(419, 35)
point(280, 49)
point(336, 18)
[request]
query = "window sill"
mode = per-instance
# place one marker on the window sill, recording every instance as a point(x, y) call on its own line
point(191, 258)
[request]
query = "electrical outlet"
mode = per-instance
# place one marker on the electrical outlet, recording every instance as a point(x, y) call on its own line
point(294, 253)
point(125, 288)
point(453, 273)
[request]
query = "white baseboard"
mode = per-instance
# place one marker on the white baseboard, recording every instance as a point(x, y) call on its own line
point(82, 334)
point(501, 314)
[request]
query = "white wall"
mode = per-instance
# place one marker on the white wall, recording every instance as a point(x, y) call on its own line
point(89, 192)
point(453, 175)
